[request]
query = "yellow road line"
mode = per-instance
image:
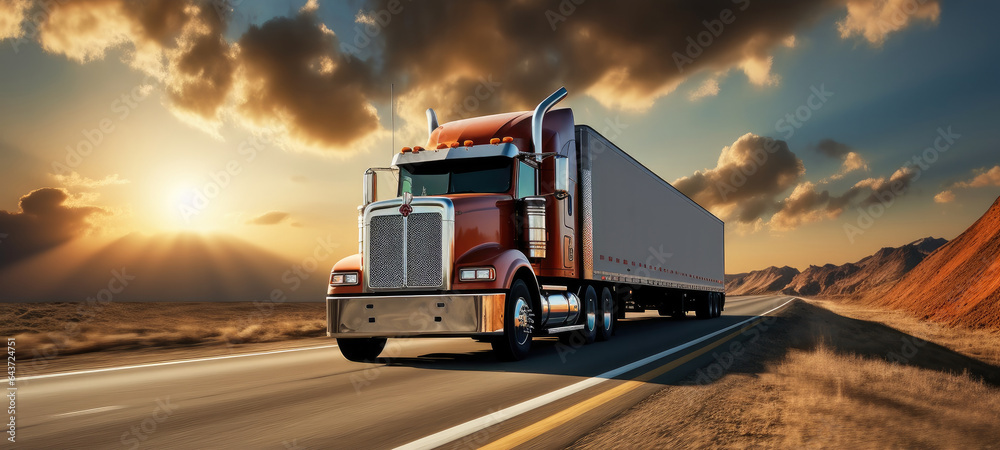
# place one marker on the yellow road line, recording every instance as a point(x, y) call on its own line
point(550, 423)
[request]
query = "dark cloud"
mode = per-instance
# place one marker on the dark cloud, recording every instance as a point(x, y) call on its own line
point(44, 221)
point(463, 58)
point(202, 66)
point(269, 218)
point(833, 149)
point(753, 175)
point(747, 177)
point(806, 204)
point(295, 73)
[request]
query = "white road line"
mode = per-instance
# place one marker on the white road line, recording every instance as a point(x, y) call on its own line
point(170, 363)
point(445, 436)
point(90, 411)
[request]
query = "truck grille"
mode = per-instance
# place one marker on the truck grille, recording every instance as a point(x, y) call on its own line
point(422, 266)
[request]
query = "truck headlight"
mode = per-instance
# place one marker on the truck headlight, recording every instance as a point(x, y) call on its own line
point(343, 278)
point(477, 274)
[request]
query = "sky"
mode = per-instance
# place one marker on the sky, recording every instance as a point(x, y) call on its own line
point(819, 131)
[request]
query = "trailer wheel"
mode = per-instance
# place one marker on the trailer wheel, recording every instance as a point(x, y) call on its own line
point(589, 332)
point(518, 324)
point(705, 309)
point(361, 349)
point(717, 301)
point(606, 316)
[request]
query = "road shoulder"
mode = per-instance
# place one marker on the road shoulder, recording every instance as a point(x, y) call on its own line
point(818, 378)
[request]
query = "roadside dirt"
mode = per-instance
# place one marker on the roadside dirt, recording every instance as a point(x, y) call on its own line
point(60, 336)
point(822, 379)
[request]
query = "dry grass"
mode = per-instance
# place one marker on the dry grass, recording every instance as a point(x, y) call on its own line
point(817, 379)
point(52, 330)
point(978, 343)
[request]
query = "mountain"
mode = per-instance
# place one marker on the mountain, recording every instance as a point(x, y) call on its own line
point(163, 267)
point(960, 282)
point(770, 280)
point(873, 274)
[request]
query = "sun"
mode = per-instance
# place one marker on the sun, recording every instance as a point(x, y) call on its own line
point(186, 209)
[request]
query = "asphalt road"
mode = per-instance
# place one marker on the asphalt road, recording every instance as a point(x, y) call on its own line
point(314, 398)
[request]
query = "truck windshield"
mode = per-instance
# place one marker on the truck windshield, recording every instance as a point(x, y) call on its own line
point(486, 175)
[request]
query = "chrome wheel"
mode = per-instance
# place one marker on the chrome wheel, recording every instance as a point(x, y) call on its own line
point(606, 326)
point(523, 322)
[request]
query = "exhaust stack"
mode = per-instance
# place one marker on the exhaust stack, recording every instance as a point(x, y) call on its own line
point(539, 114)
point(432, 122)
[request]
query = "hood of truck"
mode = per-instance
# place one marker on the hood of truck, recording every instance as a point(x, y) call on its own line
point(482, 219)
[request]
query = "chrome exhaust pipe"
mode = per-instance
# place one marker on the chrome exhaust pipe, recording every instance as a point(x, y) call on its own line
point(539, 115)
point(432, 122)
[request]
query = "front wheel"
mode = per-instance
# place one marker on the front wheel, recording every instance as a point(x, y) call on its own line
point(518, 324)
point(361, 349)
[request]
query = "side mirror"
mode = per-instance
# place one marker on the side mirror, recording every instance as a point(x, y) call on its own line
point(562, 177)
point(369, 187)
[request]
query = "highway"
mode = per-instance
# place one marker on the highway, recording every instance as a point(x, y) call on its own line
point(427, 393)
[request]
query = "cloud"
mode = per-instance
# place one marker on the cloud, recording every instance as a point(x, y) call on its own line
point(852, 160)
point(12, 13)
point(296, 79)
point(319, 89)
point(983, 178)
point(269, 218)
point(804, 205)
point(74, 180)
point(44, 220)
point(747, 177)
point(708, 88)
point(944, 197)
point(832, 148)
point(874, 20)
point(286, 75)
point(896, 185)
point(807, 205)
point(748, 186)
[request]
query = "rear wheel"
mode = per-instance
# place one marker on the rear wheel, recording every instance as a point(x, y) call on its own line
point(361, 349)
point(518, 324)
point(704, 310)
point(589, 320)
point(606, 316)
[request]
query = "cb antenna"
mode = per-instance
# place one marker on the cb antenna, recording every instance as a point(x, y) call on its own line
point(392, 120)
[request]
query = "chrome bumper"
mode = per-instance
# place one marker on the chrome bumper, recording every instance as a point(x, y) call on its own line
point(415, 315)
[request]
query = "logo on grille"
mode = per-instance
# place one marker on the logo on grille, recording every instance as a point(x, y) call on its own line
point(406, 209)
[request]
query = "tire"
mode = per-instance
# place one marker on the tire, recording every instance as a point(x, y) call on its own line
point(361, 349)
point(606, 316)
point(589, 315)
point(588, 318)
point(704, 310)
point(718, 304)
point(518, 324)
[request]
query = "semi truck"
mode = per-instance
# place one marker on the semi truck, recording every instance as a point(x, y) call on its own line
point(509, 227)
